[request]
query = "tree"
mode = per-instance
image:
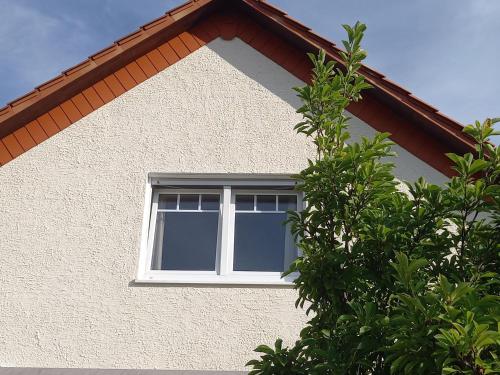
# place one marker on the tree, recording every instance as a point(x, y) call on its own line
point(397, 278)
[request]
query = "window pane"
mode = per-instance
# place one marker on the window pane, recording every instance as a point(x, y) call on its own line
point(167, 202)
point(185, 241)
point(189, 202)
point(266, 202)
point(244, 202)
point(287, 203)
point(259, 242)
point(210, 202)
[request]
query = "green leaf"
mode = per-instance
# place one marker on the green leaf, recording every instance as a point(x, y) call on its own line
point(391, 278)
point(364, 329)
point(264, 349)
point(477, 166)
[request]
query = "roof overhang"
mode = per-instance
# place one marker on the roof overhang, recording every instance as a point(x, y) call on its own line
point(415, 125)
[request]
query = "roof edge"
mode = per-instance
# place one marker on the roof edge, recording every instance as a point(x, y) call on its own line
point(449, 129)
point(58, 103)
point(84, 74)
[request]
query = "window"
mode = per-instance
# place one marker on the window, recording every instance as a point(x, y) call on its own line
point(261, 241)
point(186, 229)
point(210, 230)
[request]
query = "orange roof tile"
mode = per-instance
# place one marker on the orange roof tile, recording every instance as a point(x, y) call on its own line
point(79, 90)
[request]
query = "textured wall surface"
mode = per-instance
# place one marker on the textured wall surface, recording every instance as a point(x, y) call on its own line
point(90, 371)
point(71, 214)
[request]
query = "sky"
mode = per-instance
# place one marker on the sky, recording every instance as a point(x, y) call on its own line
point(446, 52)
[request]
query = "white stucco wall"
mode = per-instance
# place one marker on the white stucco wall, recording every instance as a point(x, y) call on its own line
point(71, 214)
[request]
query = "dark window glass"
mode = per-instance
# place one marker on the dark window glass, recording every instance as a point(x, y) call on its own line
point(266, 202)
point(167, 202)
point(186, 241)
point(188, 202)
point(287, 203)
point(210, 202)
point(244, 202)
point(259, 242)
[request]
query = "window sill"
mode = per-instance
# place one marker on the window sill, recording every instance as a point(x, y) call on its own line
point(213, 279)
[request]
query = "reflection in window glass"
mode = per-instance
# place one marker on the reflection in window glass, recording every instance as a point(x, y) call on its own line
point(188, 202)
point(210, 202)
point(262, 242)
point(185, 241)
point(167, 202)
point(187, 229)
point(287, 203)
point(266, 202)
point(244, 202)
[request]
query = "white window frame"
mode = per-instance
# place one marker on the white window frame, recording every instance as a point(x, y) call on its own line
point(211, 184)
point(154, 216)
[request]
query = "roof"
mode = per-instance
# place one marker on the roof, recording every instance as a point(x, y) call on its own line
point(79, 90)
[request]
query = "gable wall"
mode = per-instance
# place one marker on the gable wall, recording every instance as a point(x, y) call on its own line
point(71, 215)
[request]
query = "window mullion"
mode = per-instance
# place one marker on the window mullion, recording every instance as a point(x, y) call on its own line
point(224, 247)
point(226, 232)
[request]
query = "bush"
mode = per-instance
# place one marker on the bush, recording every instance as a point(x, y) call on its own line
point(398, 278)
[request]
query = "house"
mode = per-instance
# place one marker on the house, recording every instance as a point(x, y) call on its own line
point(142, 192)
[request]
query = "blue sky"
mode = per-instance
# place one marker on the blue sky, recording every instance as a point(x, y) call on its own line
point(446, 52)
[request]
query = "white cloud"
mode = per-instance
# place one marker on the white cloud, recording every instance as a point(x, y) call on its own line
point(37, 46)
point(444, 51)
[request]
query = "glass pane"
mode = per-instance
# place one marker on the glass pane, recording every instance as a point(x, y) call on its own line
point(188, 202)
point(244, 202)
point(287, 203)
point(259, 242)
point(185, 241)
point(266, 202)
point(167, 202)
point(210, 202)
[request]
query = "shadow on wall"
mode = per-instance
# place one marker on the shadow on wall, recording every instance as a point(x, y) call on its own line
point(259, 68)
point(280, 82)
